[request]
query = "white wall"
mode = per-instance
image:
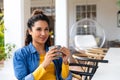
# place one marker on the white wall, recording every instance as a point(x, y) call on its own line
point(1, 3)
point(106, 14)
point(15, 18)
point(38, 3)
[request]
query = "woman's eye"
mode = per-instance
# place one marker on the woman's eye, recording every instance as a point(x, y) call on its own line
point(38, 29)
point(46, 29)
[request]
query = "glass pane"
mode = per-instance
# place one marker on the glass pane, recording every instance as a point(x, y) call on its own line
point(93, 7)
point(81, 11)
point(82, 8)
point(88, 8)
point(78, 8)
point(94, 14)
point(88, 14)
point(83, 15)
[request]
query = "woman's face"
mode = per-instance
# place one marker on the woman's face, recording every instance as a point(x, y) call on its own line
point(40, 32)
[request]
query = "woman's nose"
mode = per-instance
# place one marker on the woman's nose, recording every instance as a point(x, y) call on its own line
point(43, 33)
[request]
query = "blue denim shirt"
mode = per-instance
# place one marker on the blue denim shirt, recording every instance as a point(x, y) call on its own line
point(26, 60)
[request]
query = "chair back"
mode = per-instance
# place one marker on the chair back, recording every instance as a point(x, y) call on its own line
point(85, 41)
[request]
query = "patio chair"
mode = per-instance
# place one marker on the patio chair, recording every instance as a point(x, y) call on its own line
point(85, 41)
point(86, 67)
point(88, 44)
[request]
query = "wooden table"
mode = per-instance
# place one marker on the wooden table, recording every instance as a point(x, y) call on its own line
point(110, 70)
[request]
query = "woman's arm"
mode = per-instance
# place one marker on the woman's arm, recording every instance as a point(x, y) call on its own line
point(65, 64)
point(20, 67)
point(65, 70)
point(39, 72)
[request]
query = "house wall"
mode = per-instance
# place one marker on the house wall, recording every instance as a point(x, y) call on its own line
point(1, 4)
point(41, 3)
point(106, 14)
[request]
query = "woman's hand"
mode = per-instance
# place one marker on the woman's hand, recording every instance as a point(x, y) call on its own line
point(49, 57)
point(66, 54)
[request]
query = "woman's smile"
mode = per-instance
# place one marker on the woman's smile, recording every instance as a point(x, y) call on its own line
point(43, 38)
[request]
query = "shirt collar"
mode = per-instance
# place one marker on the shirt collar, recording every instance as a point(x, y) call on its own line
point(33, 49)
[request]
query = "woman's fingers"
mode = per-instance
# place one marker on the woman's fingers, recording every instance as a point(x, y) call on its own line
point(65, 51)
point(52, 53)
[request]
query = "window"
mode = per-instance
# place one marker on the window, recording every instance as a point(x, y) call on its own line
point(83, 11)
point(48, 10)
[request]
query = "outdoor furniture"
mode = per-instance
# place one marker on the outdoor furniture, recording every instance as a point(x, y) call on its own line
point(86, 67)
point(111, 70)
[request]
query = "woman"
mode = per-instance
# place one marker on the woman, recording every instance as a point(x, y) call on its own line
point(34, 61)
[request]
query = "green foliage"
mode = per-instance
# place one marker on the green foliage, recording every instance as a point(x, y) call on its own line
point(118, 3)
point(1, 31)
point(5, 51)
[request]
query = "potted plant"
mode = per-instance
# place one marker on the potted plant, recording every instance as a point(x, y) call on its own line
point(5, 49)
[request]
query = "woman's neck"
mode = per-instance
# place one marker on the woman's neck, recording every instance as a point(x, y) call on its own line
point(39, 47)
